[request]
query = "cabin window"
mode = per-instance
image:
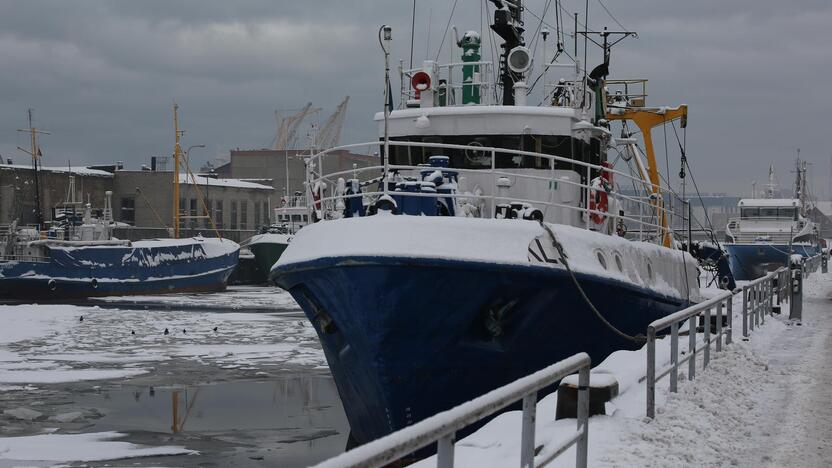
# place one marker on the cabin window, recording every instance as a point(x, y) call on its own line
point(472, 157)
point(750, 212)
point(768, 212)
point(128, 210)
point(787, 213)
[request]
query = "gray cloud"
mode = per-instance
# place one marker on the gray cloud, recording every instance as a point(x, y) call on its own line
point(102, 75)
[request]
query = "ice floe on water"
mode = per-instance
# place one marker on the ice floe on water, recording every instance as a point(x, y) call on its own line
point(43, 344)
point(78, 447)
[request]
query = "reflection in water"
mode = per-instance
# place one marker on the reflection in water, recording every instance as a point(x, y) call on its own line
point(294, 420)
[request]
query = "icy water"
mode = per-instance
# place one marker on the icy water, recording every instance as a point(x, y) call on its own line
point(294, 420)
point(238, 377)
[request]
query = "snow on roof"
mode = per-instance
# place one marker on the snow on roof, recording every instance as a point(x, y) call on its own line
point(74, 170)
point(235, 183)
point(769, 202)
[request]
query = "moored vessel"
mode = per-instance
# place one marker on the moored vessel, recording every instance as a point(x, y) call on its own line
point(771, 229)
point(492, 243)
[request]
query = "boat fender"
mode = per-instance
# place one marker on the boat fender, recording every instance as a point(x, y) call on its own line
point(94, 283)
point(53, 285)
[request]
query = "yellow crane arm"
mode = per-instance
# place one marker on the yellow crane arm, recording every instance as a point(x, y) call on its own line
point(645, 119)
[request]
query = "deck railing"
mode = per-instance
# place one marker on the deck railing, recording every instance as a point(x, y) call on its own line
point(585, 171)
point(442, 427)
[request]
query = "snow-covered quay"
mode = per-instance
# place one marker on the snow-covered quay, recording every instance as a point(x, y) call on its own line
point(766, 401)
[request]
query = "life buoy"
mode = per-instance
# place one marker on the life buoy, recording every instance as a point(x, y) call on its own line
point(599, 202)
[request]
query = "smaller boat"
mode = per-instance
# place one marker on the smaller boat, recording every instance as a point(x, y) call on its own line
point(771, 229)
point(79, 258)
point(93, 263)
point(269, 245)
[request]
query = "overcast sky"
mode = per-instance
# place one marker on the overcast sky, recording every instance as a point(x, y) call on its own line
point(102, 75)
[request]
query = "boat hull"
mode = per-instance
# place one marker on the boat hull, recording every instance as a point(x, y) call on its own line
point(146, 267)
point(404, 350)
point(752, 261)
point(266, 254)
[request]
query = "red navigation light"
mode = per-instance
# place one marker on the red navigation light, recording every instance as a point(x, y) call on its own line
point(420, 82)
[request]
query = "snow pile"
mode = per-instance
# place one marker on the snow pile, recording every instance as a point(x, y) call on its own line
point(78, 447)
point(74, 170)
point(210, 181)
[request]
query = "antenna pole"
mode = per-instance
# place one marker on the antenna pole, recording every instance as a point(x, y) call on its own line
point(177, 154)
point(412, 32)
point(35, 153)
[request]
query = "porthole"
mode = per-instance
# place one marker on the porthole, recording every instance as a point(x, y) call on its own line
point(618, 263)
point(601, 259)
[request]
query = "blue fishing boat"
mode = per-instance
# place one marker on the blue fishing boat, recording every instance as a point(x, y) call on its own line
point(77, 257)
point(91, 263)
point(488, 242)
point(771, 229)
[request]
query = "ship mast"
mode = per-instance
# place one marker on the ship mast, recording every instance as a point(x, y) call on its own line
point(36, 154)
point(177, 154)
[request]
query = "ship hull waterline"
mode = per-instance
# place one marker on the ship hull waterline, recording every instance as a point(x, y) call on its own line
point(406, 338)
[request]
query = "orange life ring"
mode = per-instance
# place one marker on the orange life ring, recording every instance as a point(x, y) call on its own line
point(598, 202)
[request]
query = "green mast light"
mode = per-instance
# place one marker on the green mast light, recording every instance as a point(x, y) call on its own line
point(470, 44)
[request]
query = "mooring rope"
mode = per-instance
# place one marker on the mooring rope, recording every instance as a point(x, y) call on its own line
point(637, 339)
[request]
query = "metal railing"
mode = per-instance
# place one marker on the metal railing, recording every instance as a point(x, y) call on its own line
point(584, 170)
point(441, 428)
point(812, 264)
point(757, 301)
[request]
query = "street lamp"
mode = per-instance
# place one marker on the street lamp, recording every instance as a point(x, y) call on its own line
point(385, 37)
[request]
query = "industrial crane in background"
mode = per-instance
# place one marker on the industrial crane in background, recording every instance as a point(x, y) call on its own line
point(286, 136)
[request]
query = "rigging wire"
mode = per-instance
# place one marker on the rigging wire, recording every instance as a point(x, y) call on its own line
point(445, 34)
point(611, 15)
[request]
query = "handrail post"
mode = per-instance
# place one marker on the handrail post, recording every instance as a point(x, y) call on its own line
point(583, 417)
point(651, 372)
point(729, 304)
point(706, 353)
point(752, 291)
point(745, 312)
point(763, 301)
point(692, 347)
point(674, 355)
point(588, 184)
point(719, 327)
point(527, 432)
point(445, 452)
point(493, 184)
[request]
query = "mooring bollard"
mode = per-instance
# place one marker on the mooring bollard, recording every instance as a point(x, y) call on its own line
point(796, 309)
